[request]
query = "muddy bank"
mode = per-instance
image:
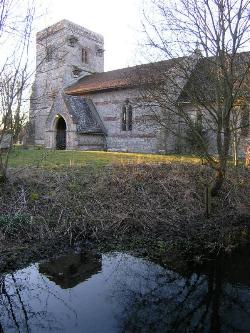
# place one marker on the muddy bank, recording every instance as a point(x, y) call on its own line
point(153, 209)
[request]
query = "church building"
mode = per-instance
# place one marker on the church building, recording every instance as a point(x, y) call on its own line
point(76, 105)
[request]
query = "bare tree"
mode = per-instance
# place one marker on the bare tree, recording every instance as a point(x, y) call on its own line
point(15, 37)
point(208, 80)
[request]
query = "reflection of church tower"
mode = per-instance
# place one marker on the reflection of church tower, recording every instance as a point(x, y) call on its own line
point(65, 53)
point(70, 270)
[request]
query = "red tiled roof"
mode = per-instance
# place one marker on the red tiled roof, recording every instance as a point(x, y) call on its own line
point(121, 78)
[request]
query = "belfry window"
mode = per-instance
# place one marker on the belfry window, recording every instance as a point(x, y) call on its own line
point(49, 53)
point(99, 51)
point(127, 117)
point(85, 56)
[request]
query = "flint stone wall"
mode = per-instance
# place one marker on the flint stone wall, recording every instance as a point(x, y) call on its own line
point(147, 136)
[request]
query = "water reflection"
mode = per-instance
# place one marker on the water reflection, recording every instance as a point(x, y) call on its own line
point(163, 301)
point(68, 271)
point(122, 293)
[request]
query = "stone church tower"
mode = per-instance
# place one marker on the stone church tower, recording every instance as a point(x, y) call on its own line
point(65, 53)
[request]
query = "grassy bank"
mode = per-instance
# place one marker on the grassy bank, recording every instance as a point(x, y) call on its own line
point(155, 208)
point(56, 159)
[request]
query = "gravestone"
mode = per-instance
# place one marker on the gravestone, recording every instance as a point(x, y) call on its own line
point(5, 141)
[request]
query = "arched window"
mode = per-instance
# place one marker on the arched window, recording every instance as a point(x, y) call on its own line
point(124, 118)
point(130, 117)
point(127, 117)
point(199, 119)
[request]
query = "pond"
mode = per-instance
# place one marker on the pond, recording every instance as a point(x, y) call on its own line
point(118, 292)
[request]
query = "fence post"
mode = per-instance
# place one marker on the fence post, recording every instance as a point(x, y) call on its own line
point(207, 201)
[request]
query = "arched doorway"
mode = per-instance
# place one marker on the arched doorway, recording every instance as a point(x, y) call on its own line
point(60, 133)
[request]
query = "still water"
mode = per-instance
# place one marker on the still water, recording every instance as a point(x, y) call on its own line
point(118, 292)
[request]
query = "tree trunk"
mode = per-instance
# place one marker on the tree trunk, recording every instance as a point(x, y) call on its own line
point(3, 176)
point(247, 162)
point(235, 151)
point(219, 179)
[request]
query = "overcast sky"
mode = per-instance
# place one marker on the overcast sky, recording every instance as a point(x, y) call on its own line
point(117, 20)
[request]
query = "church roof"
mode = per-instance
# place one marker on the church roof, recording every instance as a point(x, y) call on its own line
point(201, 82)
point(122, 78)
point(84, 115)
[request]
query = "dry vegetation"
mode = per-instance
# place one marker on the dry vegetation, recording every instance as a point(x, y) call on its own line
point(157, 208)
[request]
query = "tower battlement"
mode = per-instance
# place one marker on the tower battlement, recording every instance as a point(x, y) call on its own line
point(68, 25)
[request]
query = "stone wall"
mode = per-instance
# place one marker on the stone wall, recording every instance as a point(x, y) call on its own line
point(146, 135)
point(91, 142)
point(209, 126)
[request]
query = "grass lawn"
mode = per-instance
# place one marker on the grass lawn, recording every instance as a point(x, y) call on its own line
point(59, 158)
